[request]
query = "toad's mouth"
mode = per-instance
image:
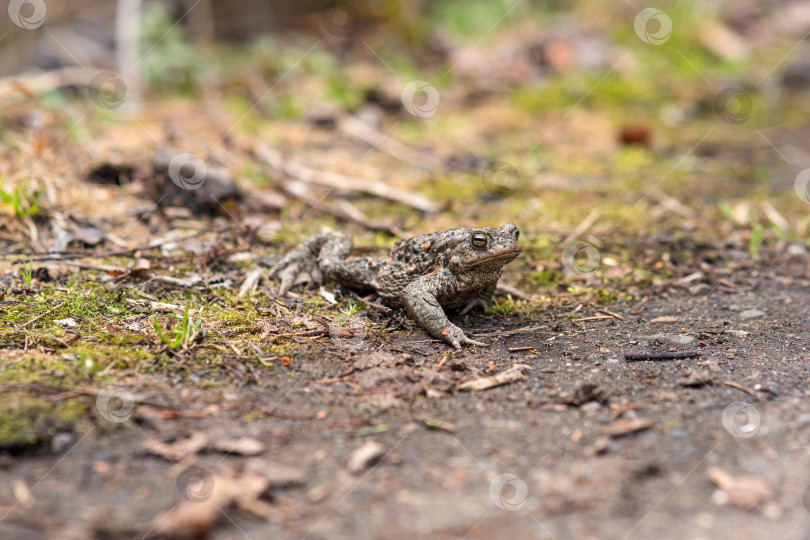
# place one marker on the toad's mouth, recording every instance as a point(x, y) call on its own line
point(509, 253)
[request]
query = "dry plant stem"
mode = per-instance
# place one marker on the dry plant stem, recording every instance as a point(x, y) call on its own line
point(672, 204)
point(122, 253)
point(362, 131)
point(301, 192)
point(513, 332)
point(597, 318)
point(341, 181)
point(31, 84)
point(515, 373)
point(739, 387)
point(583, 227)
point(606, 312)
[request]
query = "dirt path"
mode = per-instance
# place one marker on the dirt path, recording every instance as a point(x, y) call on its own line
point(584, 445)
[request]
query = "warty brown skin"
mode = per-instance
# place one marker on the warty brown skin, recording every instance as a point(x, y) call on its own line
point(424, 274)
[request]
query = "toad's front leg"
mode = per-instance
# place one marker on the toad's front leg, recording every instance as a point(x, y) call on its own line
point(419, 299)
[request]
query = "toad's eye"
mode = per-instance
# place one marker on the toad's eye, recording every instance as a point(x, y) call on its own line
point(479, 240)
point(516, 233)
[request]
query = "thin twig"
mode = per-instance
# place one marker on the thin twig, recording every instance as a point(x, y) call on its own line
point(336, 378)
point(35, 319)
point(523, 330)
point(614, 315)
point(739, 387)
point(441, 363)
point(597, 318)
point(671, 204)
point(589, 220)
point(632, 357)
point(30, 84)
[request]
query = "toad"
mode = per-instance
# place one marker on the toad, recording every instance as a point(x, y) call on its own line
point(424, 275)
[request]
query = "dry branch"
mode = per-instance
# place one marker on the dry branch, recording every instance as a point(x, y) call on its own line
point(300, 191)
point(583, 227)
point(31, 84)
point(362, 131)
point(342, 181)
point(632, 357)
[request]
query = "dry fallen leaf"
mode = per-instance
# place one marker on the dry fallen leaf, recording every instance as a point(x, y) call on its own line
point(748, 492)
point(178, 450)
point(664, 319)
point(245, 446)
point(22, 494)
point(197, 516)
point(365, 456)
point(625, 426)
point(515, 373)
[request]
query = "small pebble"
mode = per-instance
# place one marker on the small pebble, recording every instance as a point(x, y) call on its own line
point(61, 441)
point(751, 314)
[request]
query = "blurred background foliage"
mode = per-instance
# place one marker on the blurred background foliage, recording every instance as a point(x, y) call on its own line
point(185, 45)
point(551, 87)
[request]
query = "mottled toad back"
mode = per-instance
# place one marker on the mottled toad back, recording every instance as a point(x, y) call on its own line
point(424, 274)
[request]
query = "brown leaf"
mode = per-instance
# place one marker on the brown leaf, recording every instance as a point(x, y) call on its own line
point(664, 319)
point(698, 376)
point(244, 446)
point(515, 373)
point(748, 492)
point(197, 516)
point(366, 455)
point(179, 449)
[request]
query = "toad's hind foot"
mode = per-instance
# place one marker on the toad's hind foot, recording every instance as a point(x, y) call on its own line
point(477, 303)
point(305, 263)
point(296, 272)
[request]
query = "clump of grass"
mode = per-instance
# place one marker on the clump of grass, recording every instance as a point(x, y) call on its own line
point(182, 335)
point(21, 198)
point(27, 271)
point(756, 241)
